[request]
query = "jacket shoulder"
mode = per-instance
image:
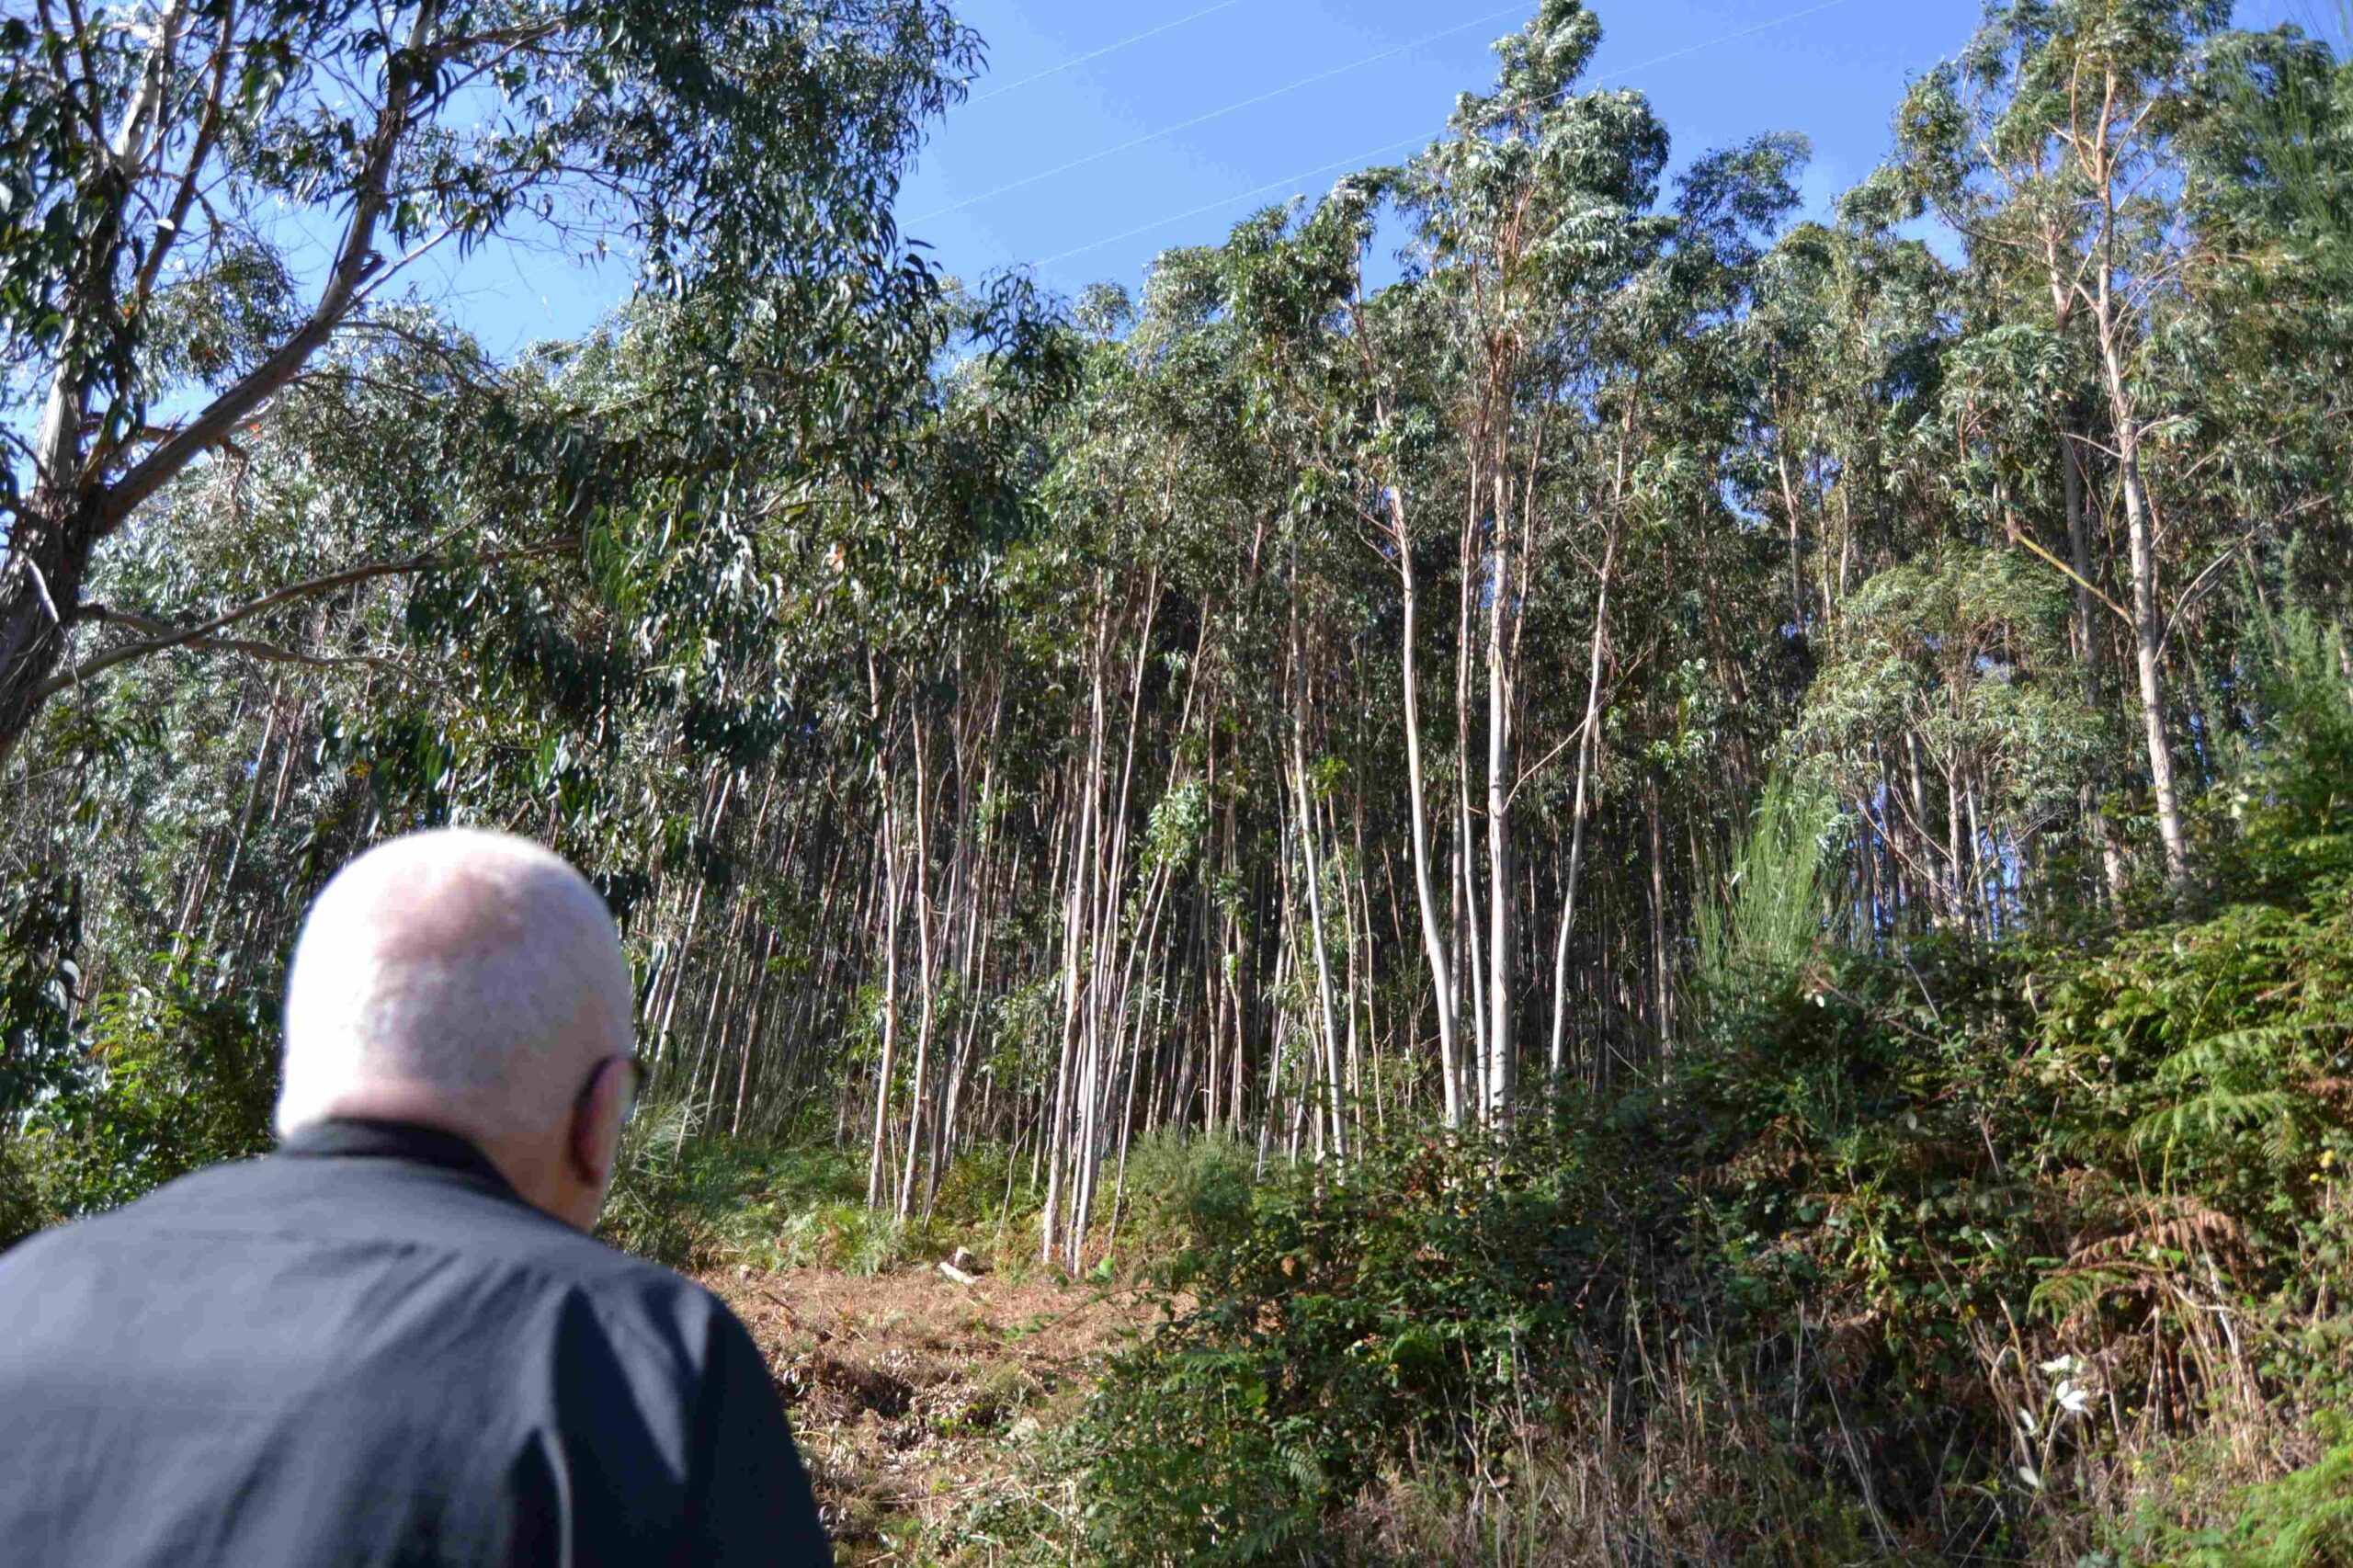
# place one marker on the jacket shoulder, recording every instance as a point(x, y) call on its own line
point(378, 1208)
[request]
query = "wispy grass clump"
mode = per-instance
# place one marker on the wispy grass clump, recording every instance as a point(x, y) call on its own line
point(1771, 909)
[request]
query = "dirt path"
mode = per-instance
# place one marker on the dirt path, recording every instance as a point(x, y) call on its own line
point(910, 1395)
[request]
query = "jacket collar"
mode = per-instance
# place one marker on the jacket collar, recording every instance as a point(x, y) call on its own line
point(354, 1137)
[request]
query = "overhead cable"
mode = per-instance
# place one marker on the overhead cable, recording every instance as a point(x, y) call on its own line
point(1720, 42)
point(1218, 114)
point(1106, 48)
point(1363, 159)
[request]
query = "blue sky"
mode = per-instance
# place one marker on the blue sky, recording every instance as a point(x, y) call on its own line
point(1084, 154)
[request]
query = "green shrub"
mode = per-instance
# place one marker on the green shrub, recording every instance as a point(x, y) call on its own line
point(2302, 1520)
point(1198, 1455)
point(2214, 1061)
point(21, 1210)
point(175, 1075)
point(694, 1203)
point(41, 942)
point(1356, 1318)
point(841, 1235)
point(984, 1193)
point(1770, 915)
point(648, 1209)
point(1186, 1191)
point(1914, 1230)
point(2284, 820)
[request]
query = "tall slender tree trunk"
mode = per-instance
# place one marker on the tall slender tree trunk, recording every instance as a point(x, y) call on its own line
point(1500, 1058)
point(1590, 741)
point(1661, 966)
point(919, 1093)
point(2148, 626)
point(1797, 547)
point(1436, 950)
point(1076, 932)
point(1311, 856)
point(2088, 629)
point(1589, 753)
point(891, 911)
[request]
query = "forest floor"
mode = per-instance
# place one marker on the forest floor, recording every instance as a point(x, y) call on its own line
point(912, 1396)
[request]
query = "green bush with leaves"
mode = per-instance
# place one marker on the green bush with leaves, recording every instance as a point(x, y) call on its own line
point(691, 1202)
point(1358, 1315)
point(1185, 1193)
point(2214, 1061)
point(2298, 1521)
point(40, 945)
point(40, 939)
point(21, 1210)
point(176, 1075)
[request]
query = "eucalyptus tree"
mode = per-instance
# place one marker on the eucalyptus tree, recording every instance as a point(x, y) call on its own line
point(1675, 396)
point(1151, 589)
point(1535, 199)
point(995, 723)
point(2050, 143)
point(2274, 151)
point(1398, 419)
point(197, 197)
point(2267, 182)
point(1279, 291)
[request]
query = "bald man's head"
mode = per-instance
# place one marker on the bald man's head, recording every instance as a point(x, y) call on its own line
point(465, 980)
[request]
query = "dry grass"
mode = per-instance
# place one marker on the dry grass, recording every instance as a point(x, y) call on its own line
point(1696, 1476)
point(910, 1395)
point(915, 1398)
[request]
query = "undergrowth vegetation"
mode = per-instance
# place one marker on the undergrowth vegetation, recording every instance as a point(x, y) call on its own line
point(1952, 1251)
point(2034, 1251)
point(1948, 1250)
point(174, 1076)
point(697, 1203)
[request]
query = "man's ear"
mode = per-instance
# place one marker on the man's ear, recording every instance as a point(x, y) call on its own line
point(597, 1130)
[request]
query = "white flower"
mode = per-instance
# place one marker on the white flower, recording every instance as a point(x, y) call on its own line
point(2026, 1419)
point(2074, 1399)
point(2059, 1368)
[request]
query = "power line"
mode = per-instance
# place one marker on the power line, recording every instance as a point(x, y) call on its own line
point(1362, 159)
point(1720, 42)
point(1359, 161)
point(1220, 113)
point(1106, 48)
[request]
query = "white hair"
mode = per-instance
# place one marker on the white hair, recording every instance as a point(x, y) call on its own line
point(474, 973)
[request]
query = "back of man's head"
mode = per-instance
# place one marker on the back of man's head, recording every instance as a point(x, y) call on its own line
point(464, 980)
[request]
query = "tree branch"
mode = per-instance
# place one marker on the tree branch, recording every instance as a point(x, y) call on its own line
point(174, 222)
point(204, 630)
point(2019, 536)
point(268, 652)
point(356, 259)
point(2198, 589)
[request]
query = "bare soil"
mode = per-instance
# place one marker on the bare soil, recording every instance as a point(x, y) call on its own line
point(910, 1395)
